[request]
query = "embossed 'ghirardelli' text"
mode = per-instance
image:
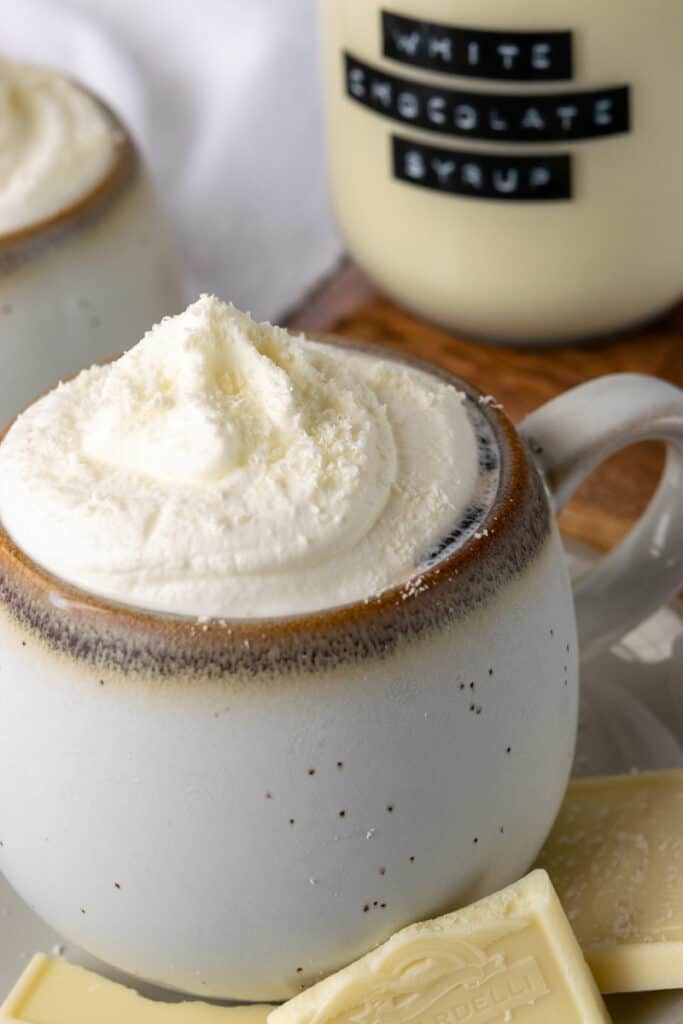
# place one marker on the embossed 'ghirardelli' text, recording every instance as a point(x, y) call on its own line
point(518, 985)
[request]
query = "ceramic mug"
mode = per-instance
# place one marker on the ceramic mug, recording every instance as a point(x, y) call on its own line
point(233, 808)
point(86, 283)
point(510, 168)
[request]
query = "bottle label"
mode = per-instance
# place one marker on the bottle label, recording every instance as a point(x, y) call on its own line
point(509, 118)
point(499, 117)
point(481, 175)
point(508, 56)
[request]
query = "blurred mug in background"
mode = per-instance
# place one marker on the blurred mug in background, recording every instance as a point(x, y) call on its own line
point(508, 169)
point(86, 264)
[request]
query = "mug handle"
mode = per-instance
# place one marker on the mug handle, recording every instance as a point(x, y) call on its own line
point(569, 437)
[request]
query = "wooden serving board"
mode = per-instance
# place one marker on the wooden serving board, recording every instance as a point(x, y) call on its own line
point(611, 499)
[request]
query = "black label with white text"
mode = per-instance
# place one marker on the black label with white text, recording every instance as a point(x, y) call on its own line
point(500, 117)
point(510, 56)
point(482, 175)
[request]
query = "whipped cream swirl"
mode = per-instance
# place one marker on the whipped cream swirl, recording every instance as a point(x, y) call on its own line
point(226, 468)
point(56, 144)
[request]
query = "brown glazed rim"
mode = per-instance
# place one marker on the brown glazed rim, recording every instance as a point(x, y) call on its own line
point(517, 488)
point(124, 162)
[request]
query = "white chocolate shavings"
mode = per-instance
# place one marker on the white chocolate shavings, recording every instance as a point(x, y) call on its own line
point(224, 468)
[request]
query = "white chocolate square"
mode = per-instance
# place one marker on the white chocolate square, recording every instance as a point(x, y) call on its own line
point(509, 959)
point(56, 992)
point(615, 855)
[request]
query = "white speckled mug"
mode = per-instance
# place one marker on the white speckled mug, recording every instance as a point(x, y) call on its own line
point(85, 283)
point(235, 808)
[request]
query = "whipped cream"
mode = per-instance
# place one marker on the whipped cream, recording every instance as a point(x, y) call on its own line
point(56, 144)
point(224, 468)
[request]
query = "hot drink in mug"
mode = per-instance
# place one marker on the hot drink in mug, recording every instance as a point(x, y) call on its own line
point(289, 647)
point(86, 262)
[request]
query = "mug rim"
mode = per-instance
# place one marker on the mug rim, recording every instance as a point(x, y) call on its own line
point(124, 160)
point(511, 494)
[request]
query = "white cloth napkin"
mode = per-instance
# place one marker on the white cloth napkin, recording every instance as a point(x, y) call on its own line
point(224, 98)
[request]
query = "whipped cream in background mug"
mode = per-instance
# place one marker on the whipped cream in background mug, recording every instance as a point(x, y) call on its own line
point(56, 144)
point(289, 645)
point(85, 259)
point(510, 169)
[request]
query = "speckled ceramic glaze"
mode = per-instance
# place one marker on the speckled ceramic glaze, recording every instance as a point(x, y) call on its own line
point(235, 808)
point(86, 283)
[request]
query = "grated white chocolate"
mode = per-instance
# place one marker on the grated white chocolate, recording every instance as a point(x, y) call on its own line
point(223, 468)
